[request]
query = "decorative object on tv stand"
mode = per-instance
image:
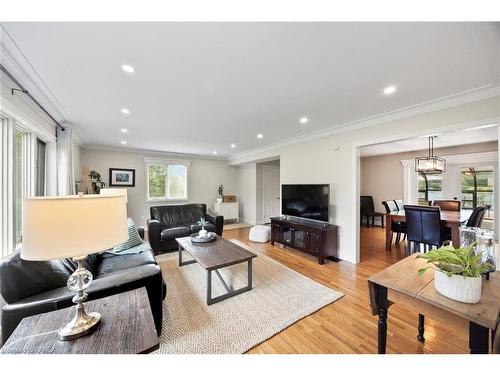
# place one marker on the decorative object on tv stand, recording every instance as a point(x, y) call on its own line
point(58, 228)
point(458, 272)
point(220, 193)
point(430, 164)
point(121, 177)
point(90, 182)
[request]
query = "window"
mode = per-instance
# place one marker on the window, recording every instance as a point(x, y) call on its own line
point(477, 187)
point(18, 185)
point(430, 187)
point(166, 180)
point(40, 168)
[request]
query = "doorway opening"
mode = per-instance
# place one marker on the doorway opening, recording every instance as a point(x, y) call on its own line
point(268, 191)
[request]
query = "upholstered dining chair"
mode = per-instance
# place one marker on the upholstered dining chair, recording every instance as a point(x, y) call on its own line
point(367, 209)
point(477, 216)
point(400, 204)
point(448, 204)
point(397, 227)
point(423, 226)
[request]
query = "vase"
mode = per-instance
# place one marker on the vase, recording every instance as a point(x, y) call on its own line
point(219, 200)
point(458, 288)
point(203, 232)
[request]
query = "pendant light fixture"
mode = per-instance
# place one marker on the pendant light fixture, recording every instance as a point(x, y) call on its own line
point(430, 164)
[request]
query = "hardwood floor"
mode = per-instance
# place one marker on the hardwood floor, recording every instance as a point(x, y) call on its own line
point(347, 325)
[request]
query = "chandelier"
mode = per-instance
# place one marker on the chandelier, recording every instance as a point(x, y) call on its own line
point(430, 164)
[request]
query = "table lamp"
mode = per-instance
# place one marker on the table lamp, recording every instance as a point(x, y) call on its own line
point(73, 227)
point(113, 191)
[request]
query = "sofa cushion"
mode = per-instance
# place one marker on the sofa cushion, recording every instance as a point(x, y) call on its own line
point(123, 262)
point(134, 239)
point(23, 278)
point(197, 227)
point(174, 232)
point(178, 215)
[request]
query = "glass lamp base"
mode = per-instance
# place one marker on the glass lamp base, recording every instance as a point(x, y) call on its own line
point(82, 324)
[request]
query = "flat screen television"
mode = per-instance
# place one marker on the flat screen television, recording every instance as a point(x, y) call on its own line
point(306, 201)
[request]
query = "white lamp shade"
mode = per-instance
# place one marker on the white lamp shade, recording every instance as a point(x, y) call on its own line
point(111, 191)
point(72, 226)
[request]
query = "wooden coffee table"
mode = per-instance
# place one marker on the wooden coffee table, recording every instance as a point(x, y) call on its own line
point(213, 256)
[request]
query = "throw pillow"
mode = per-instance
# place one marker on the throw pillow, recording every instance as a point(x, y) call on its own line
point(133, 238)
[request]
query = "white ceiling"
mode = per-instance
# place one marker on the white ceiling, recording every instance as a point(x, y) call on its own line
point(452, 138)
point(200, 87)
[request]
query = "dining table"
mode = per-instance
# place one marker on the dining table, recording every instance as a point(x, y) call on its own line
point(450, 219)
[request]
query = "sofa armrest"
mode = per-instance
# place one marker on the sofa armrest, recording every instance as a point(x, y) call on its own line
point(154, 235)
point(217, 220)
point(141, 231)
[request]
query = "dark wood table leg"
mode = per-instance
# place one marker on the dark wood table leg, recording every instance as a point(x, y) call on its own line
point(381, 296)
point(209, 287)
point(455, 235)
point(180, 255)
point(388, 232)
point(421, 328)
point(478, 339)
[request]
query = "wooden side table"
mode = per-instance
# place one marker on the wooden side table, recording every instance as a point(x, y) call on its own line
point(127, 327)
point(400, 283)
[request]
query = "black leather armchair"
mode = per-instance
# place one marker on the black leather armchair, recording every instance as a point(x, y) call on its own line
point(31, 288)
point(174, 221)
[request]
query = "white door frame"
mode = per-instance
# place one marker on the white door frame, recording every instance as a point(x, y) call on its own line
point(356, 168)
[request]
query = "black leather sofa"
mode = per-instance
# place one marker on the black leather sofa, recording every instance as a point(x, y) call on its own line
point(174, 221)
point(31, 288)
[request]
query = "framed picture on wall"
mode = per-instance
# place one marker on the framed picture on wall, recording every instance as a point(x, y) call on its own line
point(121, 177)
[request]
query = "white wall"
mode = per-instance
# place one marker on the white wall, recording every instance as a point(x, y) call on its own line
point(382, 176)
point(247, 192)
point(205, 175)
point(333, 159)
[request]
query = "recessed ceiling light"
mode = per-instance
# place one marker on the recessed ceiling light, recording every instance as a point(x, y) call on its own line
point(128, 68)
point(214, 152)
point(126, 111)
point(304, 120)
point(260, 136)
point(233, 145)
point(480, 127)
point(123, 130)
point(123, 142)
point(390, 90)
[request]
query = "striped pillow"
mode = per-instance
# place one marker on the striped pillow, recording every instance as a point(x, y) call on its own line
point(133, 237)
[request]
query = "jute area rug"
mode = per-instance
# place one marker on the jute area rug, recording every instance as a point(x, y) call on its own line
point(279, 298)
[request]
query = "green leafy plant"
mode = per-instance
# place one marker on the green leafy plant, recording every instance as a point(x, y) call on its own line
point(96, 180)
point(461, 261)
point(202, 222)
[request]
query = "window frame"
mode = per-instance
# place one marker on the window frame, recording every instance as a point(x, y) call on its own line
point(148, 162)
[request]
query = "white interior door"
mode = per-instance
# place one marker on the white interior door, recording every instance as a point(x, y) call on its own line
point(271, 192)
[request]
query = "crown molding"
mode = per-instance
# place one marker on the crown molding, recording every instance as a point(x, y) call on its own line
point(19, 66)
point(469, 96)
point(152, 152)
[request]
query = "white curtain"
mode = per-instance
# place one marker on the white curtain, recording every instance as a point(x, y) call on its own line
point(7, 130)
point(65, 173)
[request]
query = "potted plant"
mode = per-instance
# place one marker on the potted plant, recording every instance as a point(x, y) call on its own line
point(97, 182)
point(457, 272)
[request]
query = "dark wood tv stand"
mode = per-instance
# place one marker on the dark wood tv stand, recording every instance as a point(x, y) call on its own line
point(312, 237)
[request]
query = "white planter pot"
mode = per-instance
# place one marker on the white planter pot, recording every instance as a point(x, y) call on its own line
point(458, 288)
point(219, 200)
point(202, 233)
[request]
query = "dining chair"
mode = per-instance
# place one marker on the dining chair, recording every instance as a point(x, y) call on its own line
point(477, 216)
point(448, 204)
point(400, 204)
point(397, 227)
point(423, 226)
point(367, 209)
